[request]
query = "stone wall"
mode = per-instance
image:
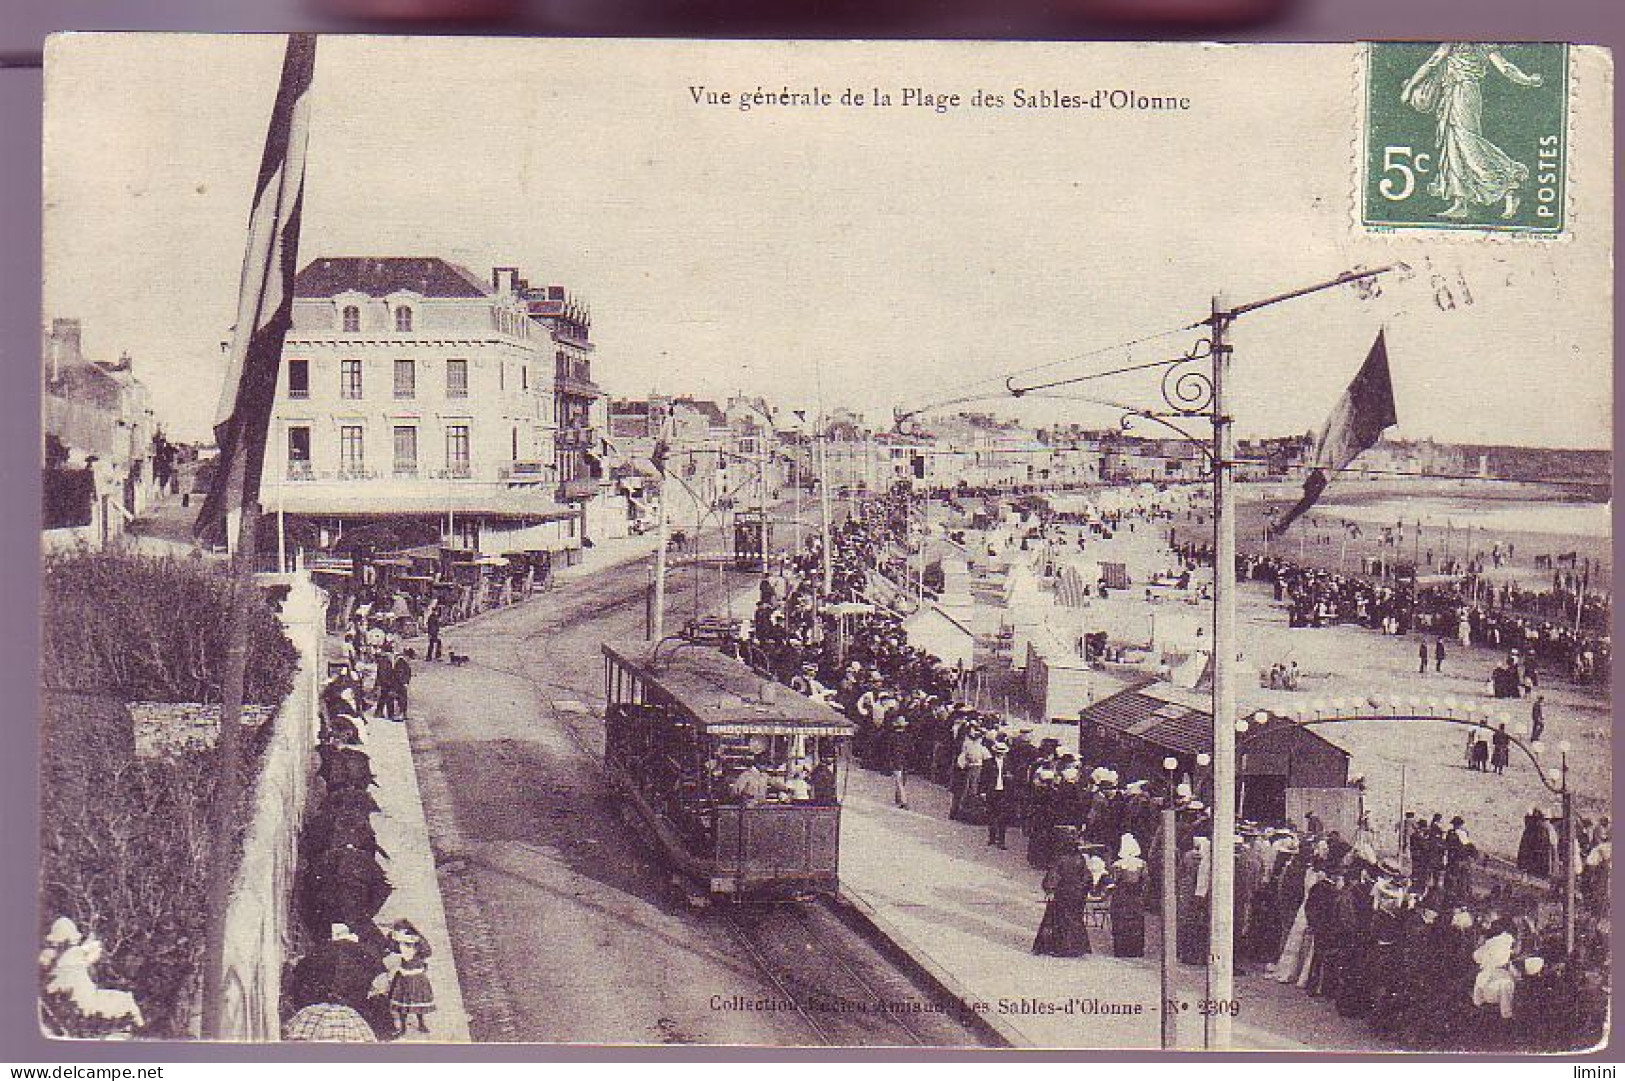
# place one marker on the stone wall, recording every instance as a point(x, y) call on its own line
point(259, 920)
point(164, 729)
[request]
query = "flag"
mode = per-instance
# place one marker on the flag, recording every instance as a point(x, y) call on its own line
point(1357, 422)
point(265, 295)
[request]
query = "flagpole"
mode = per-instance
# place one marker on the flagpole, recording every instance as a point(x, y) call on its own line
point(264, 311)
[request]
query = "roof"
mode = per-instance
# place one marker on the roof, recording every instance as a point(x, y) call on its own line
point(1171, 717)
point(711, 410)
point(428, 276)
point(724, 696)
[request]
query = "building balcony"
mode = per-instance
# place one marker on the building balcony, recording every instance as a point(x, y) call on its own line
point(578, 489)
point(405, 471)
point(526, 471)
point(575, 438)
point(454, 472)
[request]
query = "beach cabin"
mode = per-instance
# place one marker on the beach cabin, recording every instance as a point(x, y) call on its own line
point(1284, 770)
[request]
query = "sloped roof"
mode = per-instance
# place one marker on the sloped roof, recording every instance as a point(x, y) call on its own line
point(1169, 717)
point(380, 276)
point(707, 408)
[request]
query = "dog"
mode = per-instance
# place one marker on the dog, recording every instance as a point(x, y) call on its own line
point(457, 659)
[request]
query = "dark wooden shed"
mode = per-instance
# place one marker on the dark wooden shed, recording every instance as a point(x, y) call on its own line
point(1138, 727)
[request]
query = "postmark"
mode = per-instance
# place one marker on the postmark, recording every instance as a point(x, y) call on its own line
point(1466, 136)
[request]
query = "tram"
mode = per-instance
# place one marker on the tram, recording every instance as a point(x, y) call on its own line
point(736, 779)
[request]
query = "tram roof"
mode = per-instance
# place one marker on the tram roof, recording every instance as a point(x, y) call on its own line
point(724, 695)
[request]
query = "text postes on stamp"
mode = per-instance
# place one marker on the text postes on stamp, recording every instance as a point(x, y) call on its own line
point(1465, 135)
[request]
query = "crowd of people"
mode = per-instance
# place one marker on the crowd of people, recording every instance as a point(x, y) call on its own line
point(357, 980)
point(1462, 612)
point(1413, 944)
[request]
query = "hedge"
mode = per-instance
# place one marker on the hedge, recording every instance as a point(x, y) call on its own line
point(152, 629)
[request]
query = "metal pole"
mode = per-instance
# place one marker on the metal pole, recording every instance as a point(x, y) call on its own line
point(1569, 869)
point(662, 530)
point(1221, 949)
point(761, 470)
point(1170, 916)
point(795, 494)
point(823, 498)
point(281, 518)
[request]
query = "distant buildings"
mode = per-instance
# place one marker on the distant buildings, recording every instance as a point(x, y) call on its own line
point(417, 394)
point(99, 449)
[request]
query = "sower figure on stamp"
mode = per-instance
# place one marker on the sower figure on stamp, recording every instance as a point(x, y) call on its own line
point(1470, 168)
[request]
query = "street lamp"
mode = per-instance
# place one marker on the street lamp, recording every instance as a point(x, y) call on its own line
point(1170, 915)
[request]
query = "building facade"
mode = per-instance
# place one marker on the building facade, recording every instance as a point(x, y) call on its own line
point(413, 390)
point(97, 430)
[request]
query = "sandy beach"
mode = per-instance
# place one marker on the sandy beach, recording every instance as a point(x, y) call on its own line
point(1415, 765)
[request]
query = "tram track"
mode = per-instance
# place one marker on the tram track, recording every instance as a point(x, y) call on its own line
point(833, 983)
point(805, 952)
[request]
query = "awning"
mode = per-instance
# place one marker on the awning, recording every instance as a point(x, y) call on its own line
point(363, 500)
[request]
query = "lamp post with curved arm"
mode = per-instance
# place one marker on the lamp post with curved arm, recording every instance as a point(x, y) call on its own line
point(1447, 711)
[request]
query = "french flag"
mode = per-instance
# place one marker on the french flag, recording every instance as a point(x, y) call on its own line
point(264, 300)
point(1360, 417)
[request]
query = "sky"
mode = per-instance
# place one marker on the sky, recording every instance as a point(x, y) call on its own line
point(883, 257)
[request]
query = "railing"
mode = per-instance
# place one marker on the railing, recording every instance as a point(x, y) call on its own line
point(526, 470)
point(578, 489)
point(406, 471)
point(455, 472)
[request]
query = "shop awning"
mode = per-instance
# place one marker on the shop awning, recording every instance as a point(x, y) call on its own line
point(359, 500)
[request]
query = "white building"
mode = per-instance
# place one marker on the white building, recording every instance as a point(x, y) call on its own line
point(413, 391)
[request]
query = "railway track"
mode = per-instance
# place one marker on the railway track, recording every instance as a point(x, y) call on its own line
point(837, 983)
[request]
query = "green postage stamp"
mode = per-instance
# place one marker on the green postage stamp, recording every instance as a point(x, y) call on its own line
point(1466, 135)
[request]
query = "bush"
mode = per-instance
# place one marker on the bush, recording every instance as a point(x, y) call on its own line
point(152, 629)
point(125, 846)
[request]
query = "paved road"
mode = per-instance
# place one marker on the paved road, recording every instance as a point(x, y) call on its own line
point(565, 928)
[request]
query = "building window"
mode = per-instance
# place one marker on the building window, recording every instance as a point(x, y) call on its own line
point(456, 378)
point(352, 448)
point(516, 444)
point(299, 451)
point(352, 319)
point(406, 379)
point(350, 379)
point(524, 377)
point(457, 463)
point(298, 378)
point(406, 450)
point(403, 320)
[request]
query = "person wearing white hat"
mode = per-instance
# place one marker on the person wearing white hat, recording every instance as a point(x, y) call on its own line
point(1494, 985)
point(1128, 899)
point(998, 792)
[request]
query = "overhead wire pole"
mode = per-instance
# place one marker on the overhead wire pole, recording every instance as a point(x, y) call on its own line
point(662, 539)
point(1218, 1028)
point(1221, 947)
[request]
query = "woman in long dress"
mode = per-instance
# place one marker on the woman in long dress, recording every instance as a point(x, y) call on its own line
point(1298, 953)
point(1065, 929)
point(1468, 168)
point(1128, 900)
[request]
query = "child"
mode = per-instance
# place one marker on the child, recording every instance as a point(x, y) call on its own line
point(410, 993)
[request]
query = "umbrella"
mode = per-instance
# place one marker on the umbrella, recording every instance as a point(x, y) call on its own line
point(328, 1022)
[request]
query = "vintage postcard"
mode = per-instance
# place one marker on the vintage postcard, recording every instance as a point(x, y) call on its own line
point(827, 545)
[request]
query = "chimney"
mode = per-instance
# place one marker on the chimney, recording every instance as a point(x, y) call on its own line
point(503, 278)
point(65, 344)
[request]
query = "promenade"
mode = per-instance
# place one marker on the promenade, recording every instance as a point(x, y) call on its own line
point(968, 912)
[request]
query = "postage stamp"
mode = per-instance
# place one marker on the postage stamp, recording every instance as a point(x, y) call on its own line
point(1466, 135)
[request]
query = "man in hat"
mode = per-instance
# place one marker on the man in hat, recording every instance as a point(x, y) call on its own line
point(998, 785)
